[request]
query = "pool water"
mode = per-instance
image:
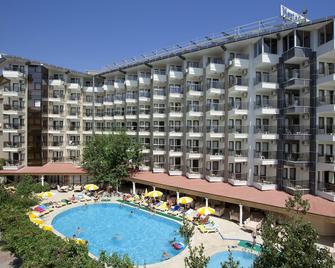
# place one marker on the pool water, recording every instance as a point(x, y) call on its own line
point(246, 259)
point(118, 228)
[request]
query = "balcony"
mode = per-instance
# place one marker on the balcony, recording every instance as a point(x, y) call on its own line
point(73, 115)
point(215, 154)
point(144, 114)
point(176, 92)
point(55, 113)
point(216, 67)
point(326, 190)
point(54, 129)
point(326, 105)
point(119, 84)
point(159, 77)
point(56, 82)
point(131, 83)
point(296, 158)
point(131, 98)
point(54, 145)
point(238, 179)
point(13, 165)
point(194, 131)
point(297, 79)
point(215, 87)
point(194, 71)
point(74, 86)
point(215, 131)
point(265, 182)
point(159, 94)
point(143, 97)
point(265, 158)
point(238, 156)
point(238, 86)
point(144, 130)
point(158, 113)
point(238, 132)
point(175, 131)
point(326, 134)
point(13, 109)
point(13, 128)
point(14, 147)
point(13, 74)
point(266, 85)
point(175, 170)
point(215, 109)
point(175, 151)
point(238, 109)
point(297, 55)
point(176, 112)
point(194, 173)
point(297, 106)
point(131, 115)
point(214, 175)
point(73, 100)
point(294, 186)
point(159, 131)
point(158, 167)
point(326, 80)
point(194, 90)
point(239, 62)
point(17, 91)
point(176, 73)
point(266, 60)
point(108, 86)
point(266, 132)
point(297, 132)
point(118, 100)
point(194, 110)
point(73, 129)
point(144, 80)
point(194, 152)
point(54, 97)
point(326, 162)
point(266, 108)
point(108, 100)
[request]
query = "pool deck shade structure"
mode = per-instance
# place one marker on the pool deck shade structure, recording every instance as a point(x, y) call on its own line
point(241, 195)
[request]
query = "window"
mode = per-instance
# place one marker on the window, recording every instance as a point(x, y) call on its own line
point(238, 168)
point(255, 170)
point(321, 68)
point(326, 33)
point(263, 170)
point(303, 39)
point(320, 149)
point(270, 45)
point(321, 122)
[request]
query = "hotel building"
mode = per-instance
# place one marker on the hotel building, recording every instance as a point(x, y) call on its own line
point(254, 107)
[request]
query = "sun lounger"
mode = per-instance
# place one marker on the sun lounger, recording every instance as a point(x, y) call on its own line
point(77, 188)
point(207, 229)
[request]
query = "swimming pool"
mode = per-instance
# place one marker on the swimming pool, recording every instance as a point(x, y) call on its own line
point(246, 259)
point(122, 229)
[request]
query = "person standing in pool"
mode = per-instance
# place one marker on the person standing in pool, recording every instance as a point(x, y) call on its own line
point(78, 231)
point(254, 236)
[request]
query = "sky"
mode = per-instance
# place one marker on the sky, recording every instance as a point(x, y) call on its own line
point(91, 34)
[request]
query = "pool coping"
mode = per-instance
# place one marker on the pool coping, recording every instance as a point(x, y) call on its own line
point(49, 218)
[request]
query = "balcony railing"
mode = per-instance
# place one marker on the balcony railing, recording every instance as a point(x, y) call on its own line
point(176, 109)
point(326, 187)
point(266, 79)
point(194, 149)
point(329, 130)
point(194, 108)
point(295, 183)
point(146, 128)
point(238, 82)
point(265, 129)
point(159, 165)
point(327, 159)
point(194, 129)
point(215, 84)
point(215, 129)
point(159, 147)
point(131, 128)
point(238, 153)
point(159, 92)
point(297, 130)
point(265, 179)
point(238, 129)
point(296, 157)
point(74, 128)
point(326, 100)
point(265, 104)
point(194, 87)
point(131, 112)
point(9, 144)
point(214, 173)
point(176, 90)
point(159, 110)
point(175, 128)
point(265, 154)
point(238, 176)
point(238, 106)
point(159, 129)
point(215, 107)
point(194, 170)
point(175, 148)
point(175, 167)
point(13, 163)
point(12, 126)
point(8, 107)
point(214, 151)
point(297, 74)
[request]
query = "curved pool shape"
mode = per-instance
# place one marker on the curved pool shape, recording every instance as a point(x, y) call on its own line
point(246, 259)
point(122, 229)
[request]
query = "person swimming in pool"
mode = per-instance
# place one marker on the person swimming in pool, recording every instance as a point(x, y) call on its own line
point(166, 255)
point(173, 241)
point(78, 231)
point(117, 237)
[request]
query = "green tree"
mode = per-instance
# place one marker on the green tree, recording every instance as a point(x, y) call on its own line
point(115, 260)
point(2, 163)
point(197, 258)
point(186, 230)
point(293, 242)
point(27, 187)
point(230, 263)
point(111, 158)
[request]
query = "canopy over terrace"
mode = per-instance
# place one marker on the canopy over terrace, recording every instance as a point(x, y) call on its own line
point(67, 170)
point(321, 213)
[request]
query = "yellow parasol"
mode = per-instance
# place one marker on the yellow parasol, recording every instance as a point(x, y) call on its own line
point(45, 195)
point(185, 200)
point(206, 211)
point(155, 194)
point(91, 187)
point(46, 227)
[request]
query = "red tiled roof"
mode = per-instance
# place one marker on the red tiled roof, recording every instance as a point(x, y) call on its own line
point(236, 194)
point(50, 168)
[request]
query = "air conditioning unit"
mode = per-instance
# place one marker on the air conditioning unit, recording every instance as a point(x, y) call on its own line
point(244, 117)
point(245, 71)
point(305, 116)
point(274, 68)
point(305, 64)
point(245, 94)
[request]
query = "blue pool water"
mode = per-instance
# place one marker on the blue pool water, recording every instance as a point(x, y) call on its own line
point(246, 259)
point(113, 228)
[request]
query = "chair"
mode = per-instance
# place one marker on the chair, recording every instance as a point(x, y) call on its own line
point(234, 215)
point(254, 222)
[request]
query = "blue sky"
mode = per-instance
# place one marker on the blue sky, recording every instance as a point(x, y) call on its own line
point(87, 34)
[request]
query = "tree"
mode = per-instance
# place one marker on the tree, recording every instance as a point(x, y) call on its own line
point(115, 260)
point(230, 263)
point(111, 158)
point(186, 230)
point(197, 258)
point(27, 186)
point(2, 163)
point(293, 242)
